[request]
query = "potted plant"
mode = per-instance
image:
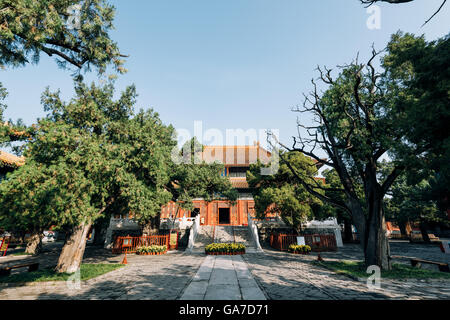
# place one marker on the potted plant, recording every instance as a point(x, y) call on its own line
point(151, 250)
point(225, 249)
point(299, 249)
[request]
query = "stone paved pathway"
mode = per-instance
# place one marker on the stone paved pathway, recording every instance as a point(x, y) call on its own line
point(223, 278)
point(145, 277)
point(284, 276)
point(272, 275)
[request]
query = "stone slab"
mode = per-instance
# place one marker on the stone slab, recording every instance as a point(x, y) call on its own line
point(223, 292)
point(196, 288)
point(252, 293)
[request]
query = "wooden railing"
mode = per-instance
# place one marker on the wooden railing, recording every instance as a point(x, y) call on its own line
point(317, 242)
point(321, 242)
point(270, 219)
point(130, 244)
point(282, 241)
point(398, 236)
point(4, 243)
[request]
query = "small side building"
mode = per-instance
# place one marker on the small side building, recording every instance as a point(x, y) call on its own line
point(9, 163)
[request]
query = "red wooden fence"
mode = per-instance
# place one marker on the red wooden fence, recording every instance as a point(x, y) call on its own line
point(321, 242)
point(173, 240)
point(282, 241)
point(130, 244)
point(4, 243)
point(317, 242)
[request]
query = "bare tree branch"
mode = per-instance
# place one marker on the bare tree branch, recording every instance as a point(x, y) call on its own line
point(371, 2)
point(439, 9)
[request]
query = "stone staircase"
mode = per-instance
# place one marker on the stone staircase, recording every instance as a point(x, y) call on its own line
point(238, 234)
point(204, 237)
point(224, 234)
point(242, 235)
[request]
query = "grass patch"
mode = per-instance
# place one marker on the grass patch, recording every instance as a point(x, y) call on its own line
point(87, 271)
point(21, 253)
point(399, 271)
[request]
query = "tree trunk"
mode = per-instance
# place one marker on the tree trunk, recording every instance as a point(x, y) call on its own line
point(348, 233)
point(358, 219)
point(376, 251)
point(424, 230)
point(100, 228)
point(408, 228)
point(73, 250)
point(151, 227)
point(402, 227)
point(34, 244)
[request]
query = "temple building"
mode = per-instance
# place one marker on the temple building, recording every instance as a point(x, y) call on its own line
point(237, 160)
point(8, 163)
point(224, 213)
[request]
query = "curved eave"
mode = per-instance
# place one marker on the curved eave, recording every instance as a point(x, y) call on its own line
point(10, 161)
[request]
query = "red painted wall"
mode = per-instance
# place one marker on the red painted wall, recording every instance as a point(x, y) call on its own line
point(209, 212)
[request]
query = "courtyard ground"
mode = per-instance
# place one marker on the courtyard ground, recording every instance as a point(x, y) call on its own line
point(271, 275)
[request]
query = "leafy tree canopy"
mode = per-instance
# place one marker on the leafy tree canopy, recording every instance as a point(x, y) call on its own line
point(363, 115)
point(414, 203)
point(75, 32)
point(11, 131)
point(96, 154)
point(282, 193)
point(419, 73)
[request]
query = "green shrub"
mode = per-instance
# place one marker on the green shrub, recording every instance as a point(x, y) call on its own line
point(295, 248)
point(151, 249)
point(225, 247)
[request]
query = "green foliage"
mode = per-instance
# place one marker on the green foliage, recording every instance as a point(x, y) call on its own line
point(225, 248)
point(193, 178)
point(94, 156)
point(22, 253)
point(414, 202)
point(332, 183)
point(327, 210)
point(282, 193)
point(3, 95)
point(363, 115)
point(418, 73)
point(399, 271)
point(90, 157)
point(30, 199)
point(87, 271)
point(151, 249)
point(361, 125)
point(28, 28)
point(12, 131)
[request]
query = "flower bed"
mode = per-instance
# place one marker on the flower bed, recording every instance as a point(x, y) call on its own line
point(151, 250)
point(225, 249)
point(299, 249)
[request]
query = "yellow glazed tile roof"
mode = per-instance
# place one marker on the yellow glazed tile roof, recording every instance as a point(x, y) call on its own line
point(239, 183)
point(10, 160)
point(235, 155)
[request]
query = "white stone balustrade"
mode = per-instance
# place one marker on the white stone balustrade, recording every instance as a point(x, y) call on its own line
point(254, 231)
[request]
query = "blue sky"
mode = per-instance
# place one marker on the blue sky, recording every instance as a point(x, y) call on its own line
point(230, 64)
